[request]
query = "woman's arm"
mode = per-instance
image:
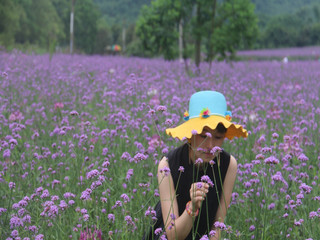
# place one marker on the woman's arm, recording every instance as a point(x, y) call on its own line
point(176, 227)
point(226, 195)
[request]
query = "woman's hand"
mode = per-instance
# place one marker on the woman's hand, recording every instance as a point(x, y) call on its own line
point(198, 193)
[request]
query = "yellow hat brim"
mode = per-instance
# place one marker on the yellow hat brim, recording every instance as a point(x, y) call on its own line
point(185, 129)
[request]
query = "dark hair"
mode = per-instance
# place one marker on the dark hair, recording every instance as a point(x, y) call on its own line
point(221, 128)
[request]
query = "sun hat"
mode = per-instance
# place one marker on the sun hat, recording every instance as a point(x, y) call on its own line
point(206, 109)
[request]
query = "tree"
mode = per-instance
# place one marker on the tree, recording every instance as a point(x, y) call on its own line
point(85, 25)
point(104, 36)
point(156, 27)
point(39, 23)
point(220, 26)
point(295, 29)
point(9, 21)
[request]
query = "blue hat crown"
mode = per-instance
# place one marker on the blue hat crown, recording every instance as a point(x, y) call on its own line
point(207, 103)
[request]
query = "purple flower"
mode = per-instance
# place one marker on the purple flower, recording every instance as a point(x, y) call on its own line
point(168, 122)
point(165, 170)
point(271, 206)
point(297, 223)
point(125, 198)
point(303, 158)
point(45, 194)
point(129, 174)
point(271, 160)
point(266, 150)
point(161, 109)
point(69, 195)
point(181, 169)
point(74, 113)
point(26, 219)
point(117, 204)
point(277, 177)
point(157, 231)
point(199, 161)
point(6, 153)
point(2, 210)
point(128, 219)
point(152, 112)
point(163, 237)
point(173, 217)
point(204, 237)
point(111, 217)
point(12, 185)
point(208, 134)
point(215, 150)
point(85, 195)
point(252, 228)
point(220, 225)
point(104, 151)
point(305, 188)
point(86, 217)
point(16, 222)
point(14, 233)
point(139, 157)
point(313, 214)
point(92, 174)
point(39, 237)
point(53, 211)
point(194, 132)
point(212, 233)
point(207, 179)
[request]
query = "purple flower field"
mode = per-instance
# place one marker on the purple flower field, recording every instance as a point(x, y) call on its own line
point(311, 52)
point(81, 136)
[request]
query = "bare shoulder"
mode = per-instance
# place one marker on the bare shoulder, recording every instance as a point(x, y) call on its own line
point(233, 161)
point(233, 165)
point(163, 167)
point(163, 163)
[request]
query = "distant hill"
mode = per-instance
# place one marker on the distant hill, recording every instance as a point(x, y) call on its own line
point(121, 11)
point(267, 10)
point(127, 11)
point(280, 7)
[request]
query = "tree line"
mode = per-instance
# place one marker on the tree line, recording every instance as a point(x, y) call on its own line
point(300, 28)
point(201, 29)
point(45, 24)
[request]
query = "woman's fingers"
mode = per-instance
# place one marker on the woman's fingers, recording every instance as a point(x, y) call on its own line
point(203, 187)
point(198, 193)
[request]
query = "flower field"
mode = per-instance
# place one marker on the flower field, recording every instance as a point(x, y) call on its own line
point(81, 136)
point(301, 53)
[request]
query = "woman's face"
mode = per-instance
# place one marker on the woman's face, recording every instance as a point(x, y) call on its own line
point(202, 144)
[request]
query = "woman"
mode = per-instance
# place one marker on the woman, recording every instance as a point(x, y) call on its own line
point(197, 178)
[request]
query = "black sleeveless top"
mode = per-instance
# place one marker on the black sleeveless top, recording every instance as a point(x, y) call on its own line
point(182, 183)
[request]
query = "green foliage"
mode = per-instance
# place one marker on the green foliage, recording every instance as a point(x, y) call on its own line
point(237, 28)
point(104, 36)
point(85, 21)
point(298, 29)
point(39, 23)
point(226, 26)
point(157, 28)
point(63, 9)
point(123, 12)
point(9, 15)
point(45, 24)
point(218, 27)
point(272, 8)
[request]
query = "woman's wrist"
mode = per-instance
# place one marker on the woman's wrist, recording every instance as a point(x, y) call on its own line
point(190, 210)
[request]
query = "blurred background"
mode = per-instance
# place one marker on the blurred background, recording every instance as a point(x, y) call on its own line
point(201, 29)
